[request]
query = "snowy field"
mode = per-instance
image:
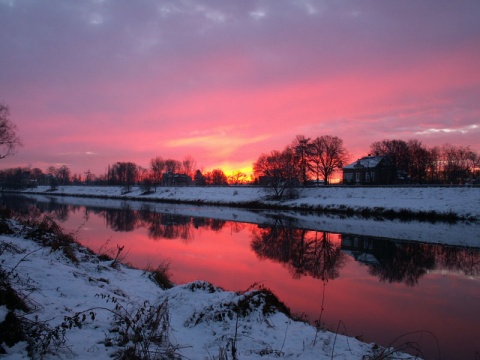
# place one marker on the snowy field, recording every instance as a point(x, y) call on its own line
point(192, 321)
point(462, 201)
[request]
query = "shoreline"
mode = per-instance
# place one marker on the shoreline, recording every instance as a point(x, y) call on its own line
point(445, 204)
point(99, 307)
point(459, 233)
point(99, 279)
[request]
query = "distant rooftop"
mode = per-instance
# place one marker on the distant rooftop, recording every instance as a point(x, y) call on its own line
point(366, 162)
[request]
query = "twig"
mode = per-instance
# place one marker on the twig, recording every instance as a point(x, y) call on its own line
point(319, 321)
point(336, 334)
point(19, 262)
point(409, 344)
point(285, 337)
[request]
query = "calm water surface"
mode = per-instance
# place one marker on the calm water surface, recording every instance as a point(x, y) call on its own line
point(380, 290)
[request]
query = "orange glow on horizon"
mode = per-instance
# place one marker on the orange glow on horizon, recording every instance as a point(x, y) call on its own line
point(227, 102)
point(231, 170)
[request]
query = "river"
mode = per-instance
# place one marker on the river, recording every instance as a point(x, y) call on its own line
point(387, 289)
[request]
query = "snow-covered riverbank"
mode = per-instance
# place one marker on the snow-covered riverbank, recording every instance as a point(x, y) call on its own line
point(92, 306)
point(458, 233)
point(463, 202)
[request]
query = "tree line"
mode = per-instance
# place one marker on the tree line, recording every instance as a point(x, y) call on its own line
point(161, 172)
point(303, 161)
point(320, 158)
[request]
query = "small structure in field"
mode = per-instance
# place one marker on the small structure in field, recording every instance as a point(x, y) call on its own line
point(369, 170)
point(170, 179)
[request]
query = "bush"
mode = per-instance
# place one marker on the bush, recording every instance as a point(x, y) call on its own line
point(161, 276)
point(48, 233)
point(143, 333)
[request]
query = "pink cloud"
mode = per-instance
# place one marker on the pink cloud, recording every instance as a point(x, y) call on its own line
point(137, 83)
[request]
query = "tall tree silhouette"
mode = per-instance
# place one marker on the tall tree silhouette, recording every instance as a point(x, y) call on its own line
point(9, 140)
point(328, 154)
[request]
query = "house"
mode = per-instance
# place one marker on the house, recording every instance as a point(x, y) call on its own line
point(170, 179)
point(362, 248)
point(369, 170)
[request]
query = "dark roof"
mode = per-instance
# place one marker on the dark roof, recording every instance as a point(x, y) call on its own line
point(366, 162)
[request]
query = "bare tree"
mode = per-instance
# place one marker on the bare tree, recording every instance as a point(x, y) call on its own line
point(124, 173)
point(474, 163)
point(16, 178)
point(456, 161)
point(9, 141)
point(89, 176)
point(419, 161)
point(238, 177)
point(328, 155)
point(131, 175)
point(38, 176)
point(52, 170)
point(63, 174)
point(397, 151)
point(216, 177)
point(433, 166)
point(278, 171)
point(172, 166)
point(189, 165)
point(143, 175)
point(157, 166)
point(303, 150)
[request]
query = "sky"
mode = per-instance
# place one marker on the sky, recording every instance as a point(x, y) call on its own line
point(93, 82)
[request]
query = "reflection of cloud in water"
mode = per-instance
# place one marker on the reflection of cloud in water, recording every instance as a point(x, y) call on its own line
point(296, 256)
point(460, 233)
point(303, 251)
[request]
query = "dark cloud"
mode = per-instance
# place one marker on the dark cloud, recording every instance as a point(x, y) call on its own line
point(163, 66)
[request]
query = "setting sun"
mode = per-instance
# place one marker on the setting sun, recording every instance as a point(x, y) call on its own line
point(92, 85)
point(203, 179)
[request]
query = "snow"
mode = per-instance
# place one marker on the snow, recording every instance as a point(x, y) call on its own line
point(202, 318)
point(366, 162)
point(3, 313)
point(463, 201)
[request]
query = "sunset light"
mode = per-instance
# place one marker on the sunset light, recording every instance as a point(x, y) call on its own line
point(99, 82)
point(203, 179)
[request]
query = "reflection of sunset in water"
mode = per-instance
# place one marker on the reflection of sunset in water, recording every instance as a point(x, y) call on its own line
point(374, 288)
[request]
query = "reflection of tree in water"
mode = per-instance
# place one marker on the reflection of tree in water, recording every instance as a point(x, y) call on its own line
point(61, 212)
point(57, 210)
point(217, 225)
point(396, 261)
point(208, 223)
point(404, 263)
point(236, 227)
point(465, 260)
point(159, 225)
point(25, 207)
point(303, 252)
point(19, 206)
point(169, 226)
point(123, 219)
point(174, 226)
